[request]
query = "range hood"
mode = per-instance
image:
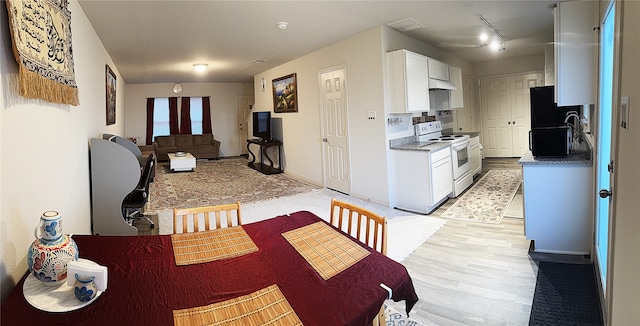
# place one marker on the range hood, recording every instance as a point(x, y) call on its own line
point(435, 84)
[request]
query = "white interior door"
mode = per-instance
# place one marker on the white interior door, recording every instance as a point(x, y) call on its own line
point(506, 113)
point(604, 151)
point(335, 130)
point(521, 110)
point(245, 103)
point(496, 117)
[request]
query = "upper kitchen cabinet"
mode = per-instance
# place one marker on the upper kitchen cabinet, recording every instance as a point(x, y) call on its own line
point(407, 81)
point(438, 70)
point(455, 76)
point(575, 52)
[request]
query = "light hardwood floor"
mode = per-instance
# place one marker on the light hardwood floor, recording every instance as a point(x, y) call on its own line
point(474, 273)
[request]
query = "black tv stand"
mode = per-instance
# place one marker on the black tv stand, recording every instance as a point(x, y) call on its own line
point(264, 146)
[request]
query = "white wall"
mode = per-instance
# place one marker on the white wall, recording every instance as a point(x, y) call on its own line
point(625, 242)
point(44, 150)
point(509, 66)
point(224, 109)
point(302, 135)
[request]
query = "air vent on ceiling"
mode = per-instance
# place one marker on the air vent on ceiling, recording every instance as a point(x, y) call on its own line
point(258, 61)
point(405, 25)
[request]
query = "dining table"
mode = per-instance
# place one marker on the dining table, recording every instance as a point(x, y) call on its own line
point(146, 285)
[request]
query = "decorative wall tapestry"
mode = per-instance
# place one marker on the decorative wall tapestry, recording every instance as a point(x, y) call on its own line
point(41, 37)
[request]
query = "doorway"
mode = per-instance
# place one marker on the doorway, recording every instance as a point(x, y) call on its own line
point(333, 95)
point(604, 151)
point(245, 104)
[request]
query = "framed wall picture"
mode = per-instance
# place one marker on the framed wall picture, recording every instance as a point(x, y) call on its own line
point(285, 94)
point(111, 95)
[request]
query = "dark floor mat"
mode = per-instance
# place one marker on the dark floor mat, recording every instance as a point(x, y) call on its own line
point(565, 295)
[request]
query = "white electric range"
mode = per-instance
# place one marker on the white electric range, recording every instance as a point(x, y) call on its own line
point(461, 166)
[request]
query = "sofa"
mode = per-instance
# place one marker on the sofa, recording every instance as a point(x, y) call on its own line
point(200, 146)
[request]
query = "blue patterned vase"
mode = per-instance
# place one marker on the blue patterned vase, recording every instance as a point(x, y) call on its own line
point(85, 288)
point(50, 253)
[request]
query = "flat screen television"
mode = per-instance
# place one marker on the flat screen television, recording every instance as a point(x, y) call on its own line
point(262, 125)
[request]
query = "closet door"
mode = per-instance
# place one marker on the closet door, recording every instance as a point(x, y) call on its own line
point(506, 113)
point(496, 117)
point(521, 110)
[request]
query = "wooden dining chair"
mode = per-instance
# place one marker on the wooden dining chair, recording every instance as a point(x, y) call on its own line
point(227, 213)
point(366, 226)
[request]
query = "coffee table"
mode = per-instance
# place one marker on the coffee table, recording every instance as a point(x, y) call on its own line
point(182, 163)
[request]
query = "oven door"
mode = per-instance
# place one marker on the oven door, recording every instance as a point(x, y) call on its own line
point(460, 158)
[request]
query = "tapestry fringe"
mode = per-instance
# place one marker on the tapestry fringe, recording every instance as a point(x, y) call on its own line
point(34, 85)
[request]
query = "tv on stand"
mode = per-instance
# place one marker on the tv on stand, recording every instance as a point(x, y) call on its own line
point(262, 125)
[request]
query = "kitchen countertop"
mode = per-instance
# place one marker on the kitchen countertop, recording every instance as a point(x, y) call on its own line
point(470, 133)
point(580, 155)
point(410, 144)
point(421, 146)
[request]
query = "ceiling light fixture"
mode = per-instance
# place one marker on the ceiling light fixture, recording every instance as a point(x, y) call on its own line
point(200, 67)
point(282, 25)
point(497, 43)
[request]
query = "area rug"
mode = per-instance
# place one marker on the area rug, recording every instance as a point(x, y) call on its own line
point(565, 294)
point(219, 182)
point(487, 200)
point(405, 232)
point(396, 318)
point(516, 208)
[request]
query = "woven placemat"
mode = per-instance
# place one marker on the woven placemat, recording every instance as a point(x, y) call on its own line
point(263, 307)
point(327, 251)
point(207, 246)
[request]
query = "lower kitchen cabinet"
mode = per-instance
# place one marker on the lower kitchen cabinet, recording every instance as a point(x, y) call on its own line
point(558, 207)
point(475, 155)
point(422, 179)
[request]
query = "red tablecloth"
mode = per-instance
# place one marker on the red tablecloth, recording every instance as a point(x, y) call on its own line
point(145, 285)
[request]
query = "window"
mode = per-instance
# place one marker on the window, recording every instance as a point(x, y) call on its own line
point(196, 115)
point(161, 117)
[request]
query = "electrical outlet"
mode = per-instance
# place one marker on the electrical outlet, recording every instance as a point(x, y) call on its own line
point(371, 115)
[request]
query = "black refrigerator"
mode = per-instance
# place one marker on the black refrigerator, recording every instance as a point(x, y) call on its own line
point(549, 136)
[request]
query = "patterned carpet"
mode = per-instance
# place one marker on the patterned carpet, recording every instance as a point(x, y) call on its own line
point(396, 318)
point(219, 182)
point(488, 199)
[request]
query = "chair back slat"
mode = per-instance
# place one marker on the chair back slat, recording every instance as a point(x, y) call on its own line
point(228, 213)
point(374, 228)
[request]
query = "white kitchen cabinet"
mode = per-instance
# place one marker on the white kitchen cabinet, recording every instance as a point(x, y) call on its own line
point(575, 52)
point(558, 207)
point(407, 82)
point(438, 69)
point(475, 155)
point(422, 179)
point(457, 96)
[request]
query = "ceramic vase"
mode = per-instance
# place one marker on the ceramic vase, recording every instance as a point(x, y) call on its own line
point(51, 251)
point(85, 288)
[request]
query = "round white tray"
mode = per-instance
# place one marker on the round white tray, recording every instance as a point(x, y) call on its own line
point(181, 154)
point(53, 299)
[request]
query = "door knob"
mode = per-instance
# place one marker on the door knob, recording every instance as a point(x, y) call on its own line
point(604, 193)
point(514, 122)
point(324, 140)
point(508, 122)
